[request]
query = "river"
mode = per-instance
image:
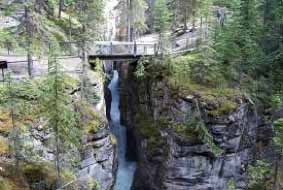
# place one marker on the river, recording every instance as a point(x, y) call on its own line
point(126, 169)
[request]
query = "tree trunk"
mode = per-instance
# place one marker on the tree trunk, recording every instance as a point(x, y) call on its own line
point(185, 19)
point(14, 133)
point(70, 35)
point(57, 160)
point(57, 138)
point(28, 41)
point(129, 21)
point(276, 171)
point(61, 5)
point(84, 63)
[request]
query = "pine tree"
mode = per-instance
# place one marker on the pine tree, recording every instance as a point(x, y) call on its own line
point(56, 107)
point(240, 35)
point(162, 22)
point(278, 143)
point(14, 136)
point(137, 17)
point(89, 13)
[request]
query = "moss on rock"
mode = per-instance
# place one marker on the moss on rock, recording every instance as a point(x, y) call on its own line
point(149, 130)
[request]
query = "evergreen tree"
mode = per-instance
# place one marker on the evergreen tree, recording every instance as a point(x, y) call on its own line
point(89, 13)
point(57, 108)
point(278, 143)
point(162, 22)
point(137, 17)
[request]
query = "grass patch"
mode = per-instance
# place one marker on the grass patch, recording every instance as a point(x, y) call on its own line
point(33, 176)
point(92, 121)
point(5, 122)
point(181, 75)
point(113, 139)
point(4, 146)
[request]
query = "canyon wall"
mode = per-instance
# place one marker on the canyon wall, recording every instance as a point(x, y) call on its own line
point(175, 157)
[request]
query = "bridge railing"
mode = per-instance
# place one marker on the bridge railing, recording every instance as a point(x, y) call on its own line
point(123, 48)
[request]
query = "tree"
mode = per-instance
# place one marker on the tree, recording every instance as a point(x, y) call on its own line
point(29, 36)
point(185, 10)
point(7, 41)
point(61, 5)
point(17, 97)
point(89, 13)
point(56, 107)
point(162, 21)
point(137, 18)
point(15, 131)
point(237, 44)
point(278, 143)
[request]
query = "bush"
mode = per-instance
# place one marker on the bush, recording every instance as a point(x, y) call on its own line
point(4, 146)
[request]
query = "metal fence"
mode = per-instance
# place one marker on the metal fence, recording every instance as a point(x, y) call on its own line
point(18, 66)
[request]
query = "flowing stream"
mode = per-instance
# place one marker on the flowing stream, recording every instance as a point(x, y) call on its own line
point(126, 169)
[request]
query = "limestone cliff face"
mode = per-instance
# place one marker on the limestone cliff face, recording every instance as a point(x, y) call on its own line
point(94, 164)
point(98, 157)
point(99, 160)
point(168, 159)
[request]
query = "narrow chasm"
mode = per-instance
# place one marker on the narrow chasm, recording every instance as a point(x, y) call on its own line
point(126, 156)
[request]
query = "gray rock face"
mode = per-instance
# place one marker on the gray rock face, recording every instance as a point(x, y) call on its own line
point(94, 164)
point(98, 160)
point(183, 164)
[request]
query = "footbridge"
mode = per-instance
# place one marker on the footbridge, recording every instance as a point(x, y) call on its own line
point(117, 50)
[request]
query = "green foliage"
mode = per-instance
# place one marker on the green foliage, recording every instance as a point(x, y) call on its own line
point(39, 176)
point(140, 70)
point(198, 67)
point(113, 139)
point(278, 136)
point(231, 184)
point(161, 16)
point(90, 120)
point(149, 129)
point(258, 173)
point(276, 101)
point(4, 146)
point(89, 14)
point(7, 40)
point(32, 176)
point(137, 14)
point(197, 130)
point(8, 10)
point(56, 106)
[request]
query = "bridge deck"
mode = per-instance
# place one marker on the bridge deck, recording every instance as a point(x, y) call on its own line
point(117, 57)
point(113, 50)
point(117, 50)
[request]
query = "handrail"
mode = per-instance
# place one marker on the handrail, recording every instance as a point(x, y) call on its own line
point(122, 43)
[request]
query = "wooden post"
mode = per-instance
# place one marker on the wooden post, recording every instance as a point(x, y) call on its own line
point(145, 49)
point(174, 44)
point(3, 65)
point(135, 48)
point(187, 42)
point(3, 76)
point(155, 49)
point(111, 48)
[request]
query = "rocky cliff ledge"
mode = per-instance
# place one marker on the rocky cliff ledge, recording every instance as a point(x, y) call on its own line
point(88, 165)
point(168, 128)
point(99, 160)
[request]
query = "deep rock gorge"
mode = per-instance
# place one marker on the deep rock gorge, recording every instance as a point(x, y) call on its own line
point(167, 160)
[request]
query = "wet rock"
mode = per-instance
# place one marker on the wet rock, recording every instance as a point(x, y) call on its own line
point(98, 160)
point(186, 163)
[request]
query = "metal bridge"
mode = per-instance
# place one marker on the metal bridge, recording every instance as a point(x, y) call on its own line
point(103, 50)
point(117, 50)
